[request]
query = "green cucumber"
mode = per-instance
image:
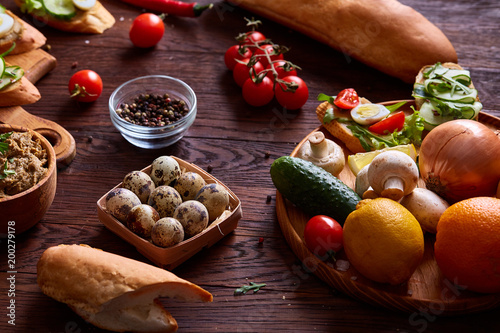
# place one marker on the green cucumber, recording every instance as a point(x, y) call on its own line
point(2, 66)
point(60, 9)
point(11, 75)
point(312, 189)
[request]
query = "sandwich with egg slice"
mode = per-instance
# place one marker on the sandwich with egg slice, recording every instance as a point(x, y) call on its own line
point(14, 31)
point(364, 126)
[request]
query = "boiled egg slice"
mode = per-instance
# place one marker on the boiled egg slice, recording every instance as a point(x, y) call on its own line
point(84, 4)
point(6, 24)
point(367, 114)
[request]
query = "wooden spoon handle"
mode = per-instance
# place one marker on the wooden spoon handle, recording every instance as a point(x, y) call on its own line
point(62, 141)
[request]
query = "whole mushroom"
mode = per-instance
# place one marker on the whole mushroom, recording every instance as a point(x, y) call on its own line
point(393, 174)
point(193, 216)
point(141, 218)
point(165, 200)
point(362, 185)
point(167, 232)
point(165, 170)
point(323, 152)
point(189, 184)
point(215, 198)
point(140, 183)
point(119, 202)
point(426, 206)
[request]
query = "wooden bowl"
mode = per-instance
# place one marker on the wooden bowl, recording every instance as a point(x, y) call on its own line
point(171, 257)
point(426, 292)
point(23, 210)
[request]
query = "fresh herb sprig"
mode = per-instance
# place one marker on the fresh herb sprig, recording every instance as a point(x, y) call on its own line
point(246, 288)
point(4, 147)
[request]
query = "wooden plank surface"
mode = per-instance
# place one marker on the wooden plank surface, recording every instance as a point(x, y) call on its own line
point(238, 143)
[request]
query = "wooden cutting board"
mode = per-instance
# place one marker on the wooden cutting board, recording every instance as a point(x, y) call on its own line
point(36, 64)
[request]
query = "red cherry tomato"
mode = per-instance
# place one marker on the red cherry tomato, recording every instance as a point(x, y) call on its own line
point(267, 49)
point(85, 86)
point(323, 234)
point(253, 37)
point(292, 100)
point(241, 72)
point(258, 94)
point(347, 99)
point(394, 122)
point(236, 52)
point(146, 30)
point(280, 67)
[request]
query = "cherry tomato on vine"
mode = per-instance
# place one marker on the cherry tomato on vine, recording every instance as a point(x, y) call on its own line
point(347, 99)
point(261, 52)
point(292, 100)
point(253, 37)
point(280, 66)
point(241, 71)
point(394, 122)
point(146, 30)
point(85, 86)
point(322, 235)
point(258, 93)
point(233, 53)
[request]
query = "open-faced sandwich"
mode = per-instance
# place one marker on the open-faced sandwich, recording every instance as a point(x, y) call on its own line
point(81, 16)
point(13, 30)
point(113, 292)
point(15, 88)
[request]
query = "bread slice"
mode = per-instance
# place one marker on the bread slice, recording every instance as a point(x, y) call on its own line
point(26, 37)
point(93, 21)
point(113, 292)
point(21, 92)
point(384, 34)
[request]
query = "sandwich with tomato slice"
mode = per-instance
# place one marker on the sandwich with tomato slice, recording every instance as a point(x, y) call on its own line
point(365, 126)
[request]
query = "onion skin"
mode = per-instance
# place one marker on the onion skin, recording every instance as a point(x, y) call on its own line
point(460, 159)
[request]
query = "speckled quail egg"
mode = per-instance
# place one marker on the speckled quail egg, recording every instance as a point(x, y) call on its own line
point(193, 216)
point(165, 200)
point(189, 184)
point(140, 183)
point(215, 198)
point(120, 201)
point(367, 114)
point(165, 170)
point(167, 232)
point(141, 219)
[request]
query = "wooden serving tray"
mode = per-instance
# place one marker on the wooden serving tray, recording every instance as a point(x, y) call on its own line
point(427, 291)
point(36, 64)
point(171, 257)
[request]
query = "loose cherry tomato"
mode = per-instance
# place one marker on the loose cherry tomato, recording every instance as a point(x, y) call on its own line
point(146, 30)
point(236, 52)
point(394, 122)
point(281, 67)
point(322, 235)
point(260, 93)
point(269, 49)
point(241, 71)
point(347, 99)
point(253, 37)
point(85, 86)
point(292, 100)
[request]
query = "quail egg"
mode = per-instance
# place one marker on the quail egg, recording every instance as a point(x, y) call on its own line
point(367, 114)
point(167, 232)
point(140, 220)
point(165, 170)
point(189, 184)
point(6, 24)
point(165, 200)
point(193, 216)
point(215, 198)
point(120, 201)
point(140, 183)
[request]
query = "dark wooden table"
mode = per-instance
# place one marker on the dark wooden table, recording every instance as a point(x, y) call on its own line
point(239, 143)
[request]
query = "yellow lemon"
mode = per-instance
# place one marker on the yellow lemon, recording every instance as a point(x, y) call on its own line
point(383, 241)
point(357, 161)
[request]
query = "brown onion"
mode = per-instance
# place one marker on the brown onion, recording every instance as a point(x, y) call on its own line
point(460, 159)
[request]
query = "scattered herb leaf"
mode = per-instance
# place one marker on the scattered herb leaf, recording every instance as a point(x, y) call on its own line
point(245, 288)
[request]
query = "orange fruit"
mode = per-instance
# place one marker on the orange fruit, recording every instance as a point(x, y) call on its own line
point(467, 247)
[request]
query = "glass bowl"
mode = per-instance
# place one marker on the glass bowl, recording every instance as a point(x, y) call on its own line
point(153, 137)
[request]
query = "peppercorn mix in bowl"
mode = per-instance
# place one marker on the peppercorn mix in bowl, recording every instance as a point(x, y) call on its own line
point(153, 111)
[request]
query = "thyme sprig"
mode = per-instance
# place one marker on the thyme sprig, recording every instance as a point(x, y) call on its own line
point(245, 288)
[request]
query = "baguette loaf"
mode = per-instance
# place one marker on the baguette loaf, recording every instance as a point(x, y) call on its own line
point(383, 34)
point(25, 36)
point(113, 292)
point(93, 21)
point(21, 92)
